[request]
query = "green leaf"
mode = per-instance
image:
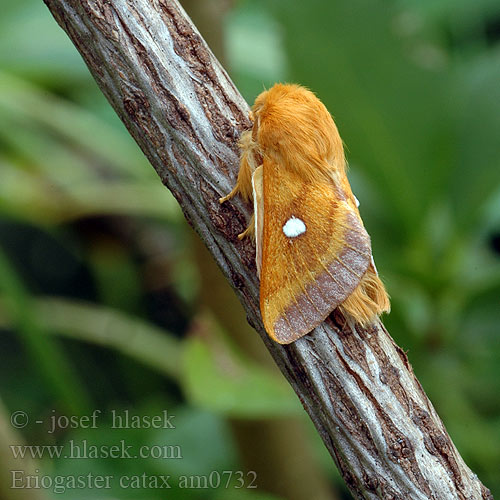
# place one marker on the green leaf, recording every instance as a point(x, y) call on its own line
point(99, 325)
point(46, 354)
point(219, 380)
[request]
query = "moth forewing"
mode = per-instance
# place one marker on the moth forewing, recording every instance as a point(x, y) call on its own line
point(258, 204)
point(315, 252)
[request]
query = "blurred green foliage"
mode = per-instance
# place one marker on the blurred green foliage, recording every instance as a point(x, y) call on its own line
point(98, 286)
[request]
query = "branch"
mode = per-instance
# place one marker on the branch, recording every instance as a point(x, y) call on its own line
point(184, 112)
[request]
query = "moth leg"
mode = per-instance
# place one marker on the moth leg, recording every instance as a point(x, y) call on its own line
point(232, 194)
point(250, 230)
point(247, 167)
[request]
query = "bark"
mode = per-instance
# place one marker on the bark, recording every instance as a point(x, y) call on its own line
point(186, 115)
point(287, 468)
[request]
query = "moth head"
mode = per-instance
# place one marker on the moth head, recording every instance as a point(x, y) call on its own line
point(295, 130)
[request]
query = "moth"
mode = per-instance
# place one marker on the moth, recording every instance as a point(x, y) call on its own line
point(313, 253)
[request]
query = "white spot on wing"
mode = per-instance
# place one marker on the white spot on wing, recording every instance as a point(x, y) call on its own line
point(294, 227)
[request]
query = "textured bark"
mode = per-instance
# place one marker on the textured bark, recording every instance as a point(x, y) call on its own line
point(186, 115)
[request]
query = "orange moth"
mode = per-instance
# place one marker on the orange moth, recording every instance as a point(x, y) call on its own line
point(313, 253)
